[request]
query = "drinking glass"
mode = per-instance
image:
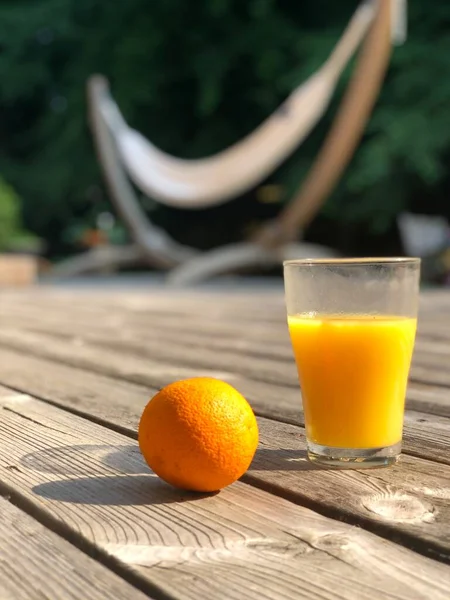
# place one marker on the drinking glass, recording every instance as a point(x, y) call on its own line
point(352, 324)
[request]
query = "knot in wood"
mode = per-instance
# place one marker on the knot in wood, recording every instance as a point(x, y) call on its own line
point(399, 507)
point(332, 542)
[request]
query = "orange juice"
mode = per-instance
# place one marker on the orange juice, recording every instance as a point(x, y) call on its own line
point(353, 372)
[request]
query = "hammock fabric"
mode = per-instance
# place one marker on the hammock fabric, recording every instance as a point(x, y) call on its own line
point(214, 180)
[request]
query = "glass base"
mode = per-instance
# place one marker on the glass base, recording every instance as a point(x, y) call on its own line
point(354, 458)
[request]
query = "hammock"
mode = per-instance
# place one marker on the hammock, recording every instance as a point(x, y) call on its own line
point(213, 180)
point(124, 153)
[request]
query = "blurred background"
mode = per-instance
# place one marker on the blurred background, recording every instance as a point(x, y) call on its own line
point(195, 77)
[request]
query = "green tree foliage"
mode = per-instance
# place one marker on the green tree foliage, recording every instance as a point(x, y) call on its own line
point(12, 234)
point(195, 77)
point(9, 214)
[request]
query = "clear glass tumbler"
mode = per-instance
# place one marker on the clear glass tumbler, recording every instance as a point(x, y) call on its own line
point(352, 324)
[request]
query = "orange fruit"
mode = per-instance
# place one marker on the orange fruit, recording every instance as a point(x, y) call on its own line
point(198, 434)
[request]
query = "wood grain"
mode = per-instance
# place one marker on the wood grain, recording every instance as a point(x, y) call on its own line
point(263, 354)
point(239, 294)
point(239, 300)
point(215, 328)
point(105, 361)
point(146, 372)
point(242, 542)
point(118, 403)
point(409, 501)
point(109, 401)
point(168, 305)
point(37, 564)
point(425, 436)
point(208, 319)
point(428, 398)
point(191, 311)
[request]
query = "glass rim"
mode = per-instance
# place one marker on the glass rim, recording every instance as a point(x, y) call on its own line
point(348, 262)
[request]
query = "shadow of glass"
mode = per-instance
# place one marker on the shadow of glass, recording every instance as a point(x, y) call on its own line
point(87, 459)
point(120, 490)
point(282, 459)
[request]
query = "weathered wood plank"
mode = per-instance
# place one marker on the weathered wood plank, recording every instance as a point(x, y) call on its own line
point(427, 436)
point(169, 341)
point(263, 361)
point(208, 330)
point(135, 299)
point(265, 320)
point(196, 303)
point(104, 360)
point(431, 301)
point(190, 333)
point(156, 373)
point(219, 323)
point(427, 374)
point(37, 564)
point(175, 305)
point(432, 347)
point(138, 370)
point(269, 360)
point(431, 399)
point(216, 329)
point(241, 542)
point(409, 500)
point(137, 315)
point(112, 401)
point(119, 403)
point(434, 330)
point(424, 435)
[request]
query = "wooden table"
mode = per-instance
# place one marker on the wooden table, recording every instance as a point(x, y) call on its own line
point(82, 517)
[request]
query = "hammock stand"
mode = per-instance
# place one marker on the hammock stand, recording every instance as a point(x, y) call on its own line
point(126, 156)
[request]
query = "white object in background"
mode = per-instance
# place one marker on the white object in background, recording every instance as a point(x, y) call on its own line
point(399, 21)
point(422, 234)
point(214, 180)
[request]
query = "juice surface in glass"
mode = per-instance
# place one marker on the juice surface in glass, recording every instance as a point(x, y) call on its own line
point(353, 372)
